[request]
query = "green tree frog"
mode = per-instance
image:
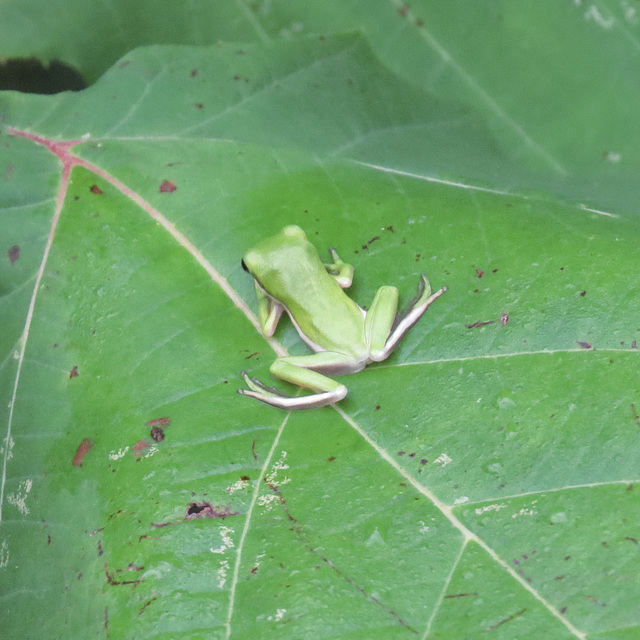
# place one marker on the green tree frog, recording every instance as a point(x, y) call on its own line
point(290, 276)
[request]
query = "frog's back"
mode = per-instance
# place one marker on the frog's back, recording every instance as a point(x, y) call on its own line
point(317, 304)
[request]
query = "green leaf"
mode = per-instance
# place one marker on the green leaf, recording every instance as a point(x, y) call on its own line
point(482, 479)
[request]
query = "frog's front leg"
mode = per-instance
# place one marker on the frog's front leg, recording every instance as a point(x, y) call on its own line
point(385, 327)
point(341, 271)
point(305, 372)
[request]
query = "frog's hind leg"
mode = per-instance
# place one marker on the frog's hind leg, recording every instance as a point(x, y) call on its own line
point(300, 370)
point(405, 320)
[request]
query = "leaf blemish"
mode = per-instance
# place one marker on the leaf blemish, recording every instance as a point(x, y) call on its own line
point(160, 422)
point(83, 448)
point(636, 417)
point(14, 253)
point(94, 188)
point(168, 186)
point(74, 372)
point(157, 433)
point(481, 323)
point(197, 510)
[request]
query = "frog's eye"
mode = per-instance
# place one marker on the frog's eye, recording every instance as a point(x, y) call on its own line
point(244, 266)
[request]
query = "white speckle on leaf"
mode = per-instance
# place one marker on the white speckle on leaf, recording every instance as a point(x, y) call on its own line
point(16, 355)
point(461, 500)
point(559, 518)
point(238, 486)
point(278, 616)
point(19, 498)
point(9, 453)
point(443, 460)
point(424, 528)
point(4, 554)
point(593, 13)
point(120, 453)
point(227, 542)
point(268, 500)
point(279, 465)
point(489, 507)
point(222, 572)
point(524, 512)
point(506, 403)
point(613, 157)
point(630, 13)
point(375, 539)
point(85, 136)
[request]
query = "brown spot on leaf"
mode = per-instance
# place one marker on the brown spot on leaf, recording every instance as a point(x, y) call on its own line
point(634, 413)
point(94, 188)
point(479, 273)
point(159, 422)
point(505, 620)
point(504, 318)
point(584, 345)
point(168, 186)
point(83, 448)
point(139, 447)
point(74, 372)
point(194, 73)
point(157, 434)
point(583, 293)
point(481, 323)
point(197, 510)
point(116, 583)
point(404, 9)
point(145, 605)
point(14, 253)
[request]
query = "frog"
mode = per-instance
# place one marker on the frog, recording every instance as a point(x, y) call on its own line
point(290, 277)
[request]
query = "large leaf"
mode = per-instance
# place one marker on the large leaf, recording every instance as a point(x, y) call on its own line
point(480, 480)
point(555, 81)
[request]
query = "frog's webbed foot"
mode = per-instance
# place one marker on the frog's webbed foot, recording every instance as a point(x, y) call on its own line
point(386, 329)
point(275, 398)
point(414, 311)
